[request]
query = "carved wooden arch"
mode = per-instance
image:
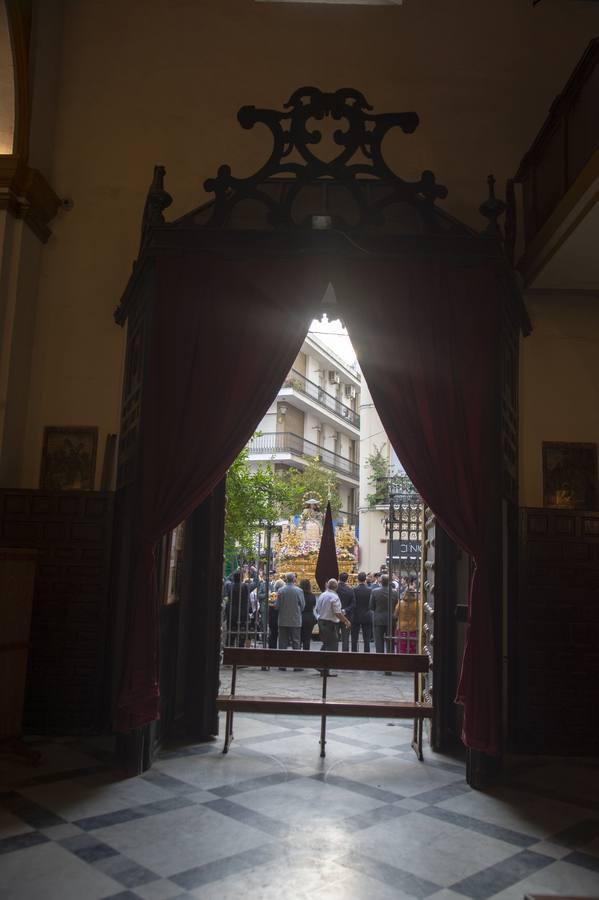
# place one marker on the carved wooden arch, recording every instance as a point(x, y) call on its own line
point(359, 169)
point(273, 225)
point(354, 193)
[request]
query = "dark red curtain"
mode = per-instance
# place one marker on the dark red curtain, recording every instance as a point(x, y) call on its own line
point(426, 332)
point(223, 336)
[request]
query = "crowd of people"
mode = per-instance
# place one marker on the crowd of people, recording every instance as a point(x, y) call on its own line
point(288, 616)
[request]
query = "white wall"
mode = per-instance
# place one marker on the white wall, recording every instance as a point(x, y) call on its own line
point(372, 434)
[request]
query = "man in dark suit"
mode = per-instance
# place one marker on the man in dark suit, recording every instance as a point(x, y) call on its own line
point(361, 614)
point(379, 604)
point(236, 612)
point(346, 595)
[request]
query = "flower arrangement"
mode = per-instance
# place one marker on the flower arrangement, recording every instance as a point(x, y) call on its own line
point(293, 551)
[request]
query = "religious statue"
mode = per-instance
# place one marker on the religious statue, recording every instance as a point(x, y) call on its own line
point(296, 549)
point(311, 519)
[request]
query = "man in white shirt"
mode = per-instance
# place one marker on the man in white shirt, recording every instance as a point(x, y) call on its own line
point(329, 612)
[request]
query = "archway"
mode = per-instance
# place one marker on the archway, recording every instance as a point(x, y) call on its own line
point(430, 306)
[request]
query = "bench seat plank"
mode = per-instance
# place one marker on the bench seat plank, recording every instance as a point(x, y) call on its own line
point(326, 659)
point(385, 709)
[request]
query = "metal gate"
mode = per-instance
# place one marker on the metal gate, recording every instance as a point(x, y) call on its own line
point(427, 608)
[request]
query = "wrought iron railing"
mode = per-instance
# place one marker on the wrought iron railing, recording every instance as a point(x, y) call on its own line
point(303, 385)
point(270, 443)
point(567, 140)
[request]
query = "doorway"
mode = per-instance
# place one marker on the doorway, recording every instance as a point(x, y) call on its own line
point(392, 256)
point(411, 542)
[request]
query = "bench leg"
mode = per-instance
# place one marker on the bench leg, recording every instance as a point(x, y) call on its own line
point(323, 718)
point(323, 734)
point(229, 719)
point(417, 738)
point(228, 730)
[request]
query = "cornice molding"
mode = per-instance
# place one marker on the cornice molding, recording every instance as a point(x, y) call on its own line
point(26, 194)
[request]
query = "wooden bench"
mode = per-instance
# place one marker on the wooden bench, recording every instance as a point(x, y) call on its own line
point(324, 661)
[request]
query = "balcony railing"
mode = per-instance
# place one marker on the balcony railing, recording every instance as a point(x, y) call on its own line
point(272, 442)
point(559, 153)
point(303, 385)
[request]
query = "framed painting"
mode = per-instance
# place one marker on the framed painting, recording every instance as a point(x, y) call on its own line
point(570, 475)
point(69, 458)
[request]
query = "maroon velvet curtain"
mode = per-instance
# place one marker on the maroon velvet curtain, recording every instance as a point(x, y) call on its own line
point(426, 332)
point(223, 336)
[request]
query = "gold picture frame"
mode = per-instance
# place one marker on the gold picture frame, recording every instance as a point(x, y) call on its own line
point(69, 458)
point(570, 475)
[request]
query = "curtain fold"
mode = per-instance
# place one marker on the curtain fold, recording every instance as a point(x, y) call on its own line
point(224, 335)
point(426, 333)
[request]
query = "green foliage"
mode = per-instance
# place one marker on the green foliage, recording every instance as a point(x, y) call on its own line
point(404, 485)
point(314, 479)
point(379, 472)
point(253, 498)
point(379, 479)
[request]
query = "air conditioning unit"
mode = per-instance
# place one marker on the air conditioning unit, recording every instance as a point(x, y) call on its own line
point(334, 377)
point(350, 391)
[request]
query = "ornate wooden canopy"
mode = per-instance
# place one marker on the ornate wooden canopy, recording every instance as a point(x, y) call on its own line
point(353, 195)
point(355, 189)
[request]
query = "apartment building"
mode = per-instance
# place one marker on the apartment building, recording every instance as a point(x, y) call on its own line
point(316, 413)
point(373, 437)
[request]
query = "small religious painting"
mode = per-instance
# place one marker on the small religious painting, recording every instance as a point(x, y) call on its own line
point(570, 475)
point(69, 458)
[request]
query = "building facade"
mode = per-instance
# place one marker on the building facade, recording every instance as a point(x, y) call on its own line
point(316, 414)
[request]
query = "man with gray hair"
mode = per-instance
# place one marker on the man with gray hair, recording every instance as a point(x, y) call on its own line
point(329, 612)
point(290, 602)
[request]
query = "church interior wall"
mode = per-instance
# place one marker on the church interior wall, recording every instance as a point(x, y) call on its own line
point(21, 254)
point(559, 381)
point(134, 90)
point(46, 50)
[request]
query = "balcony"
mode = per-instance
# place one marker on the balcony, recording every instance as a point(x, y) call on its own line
point(271, 444)
point(302, 385)
point(554, 192)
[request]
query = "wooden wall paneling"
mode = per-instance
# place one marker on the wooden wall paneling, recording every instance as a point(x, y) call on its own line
point(558, 633)
point(71, 532)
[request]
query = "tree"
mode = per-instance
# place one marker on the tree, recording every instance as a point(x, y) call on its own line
point(379, 478)
point(379, 472)
point(313, 479)
point(252, 499)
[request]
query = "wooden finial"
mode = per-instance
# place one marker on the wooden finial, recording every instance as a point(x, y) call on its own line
point(492, 209)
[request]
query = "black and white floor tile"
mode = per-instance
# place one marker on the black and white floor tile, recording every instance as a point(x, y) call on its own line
point(272, 821)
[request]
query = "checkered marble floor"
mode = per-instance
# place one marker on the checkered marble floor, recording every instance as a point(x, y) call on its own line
point(273, 820)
